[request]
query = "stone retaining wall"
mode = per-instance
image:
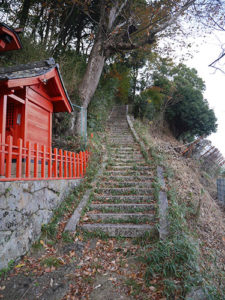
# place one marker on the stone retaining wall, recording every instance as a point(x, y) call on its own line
point(24, 208)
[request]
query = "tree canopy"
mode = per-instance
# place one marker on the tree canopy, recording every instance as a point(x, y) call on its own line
point(98, 30)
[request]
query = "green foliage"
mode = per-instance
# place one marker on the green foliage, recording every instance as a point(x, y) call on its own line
point(51, 262)
point(30, 52)
point(101, 104)
point(177, 94)
point(192, 117)
point(5, 271)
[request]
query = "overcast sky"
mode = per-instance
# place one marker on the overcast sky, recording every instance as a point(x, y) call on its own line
point(215, 83)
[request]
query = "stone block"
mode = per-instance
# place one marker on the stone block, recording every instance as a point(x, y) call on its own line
point(10, 220)
point(24, 208)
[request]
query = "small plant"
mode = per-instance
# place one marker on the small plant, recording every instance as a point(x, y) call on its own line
point(37, 245)
point(4, 272)
point(51, 262)
point(67, 237)
point(136, 287)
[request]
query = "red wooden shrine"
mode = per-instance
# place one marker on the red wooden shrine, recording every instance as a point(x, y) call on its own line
point(9, 39)
point(29, 94)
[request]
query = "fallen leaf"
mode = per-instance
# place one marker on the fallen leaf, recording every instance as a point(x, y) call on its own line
point(97, 286)
point(19, 266)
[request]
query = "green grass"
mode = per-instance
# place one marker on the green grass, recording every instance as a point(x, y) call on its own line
point(177, 259)
point(135, 287)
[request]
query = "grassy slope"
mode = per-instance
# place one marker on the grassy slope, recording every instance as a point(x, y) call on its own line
point(196, 220)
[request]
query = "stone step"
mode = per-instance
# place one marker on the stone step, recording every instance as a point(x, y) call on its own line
point(134, 154)
point(124, 191)
point(125, 152)
point(128, 207)
point(127, 178)
point(114, 163)
point(121, 132)
point(128, 172)
point(126, 149)
point(121, 184)
point(123, 199)
point(126, 167)
point(115, 230)
point(121, 217)
point(128, 161)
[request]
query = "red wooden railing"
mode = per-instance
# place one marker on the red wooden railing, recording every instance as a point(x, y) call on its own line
point(37, 162)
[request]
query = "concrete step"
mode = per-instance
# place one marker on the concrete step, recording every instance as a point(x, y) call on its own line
point(128, 207)
point(123, 199)
point(128, 161)
point(128, 172)
point(128, 178)
point(130, 167)
point(115, 230)
point(133, 154)
point(124, 191)
point(128, 218)
point(135, 163)
point(120, 184)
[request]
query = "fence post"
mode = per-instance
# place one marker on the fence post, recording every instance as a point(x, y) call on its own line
point(36, 154)
point(65, 164)
point(9, 156)
point(28, 159)
point(78, 165)
point(2, 157)
point(74, 164)
point(55, 166)
point(50, 162)
point(70, 164)
point(60, 163)
point(43, 149)
point(84, 160)
point(81, 164)
point(19, 158)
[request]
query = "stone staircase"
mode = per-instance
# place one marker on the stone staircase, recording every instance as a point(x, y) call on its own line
point(123, 203)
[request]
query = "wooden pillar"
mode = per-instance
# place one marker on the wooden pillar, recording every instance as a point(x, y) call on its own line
point(3, 112)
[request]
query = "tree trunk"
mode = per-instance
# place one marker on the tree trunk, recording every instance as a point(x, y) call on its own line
point(24, 13)
point(91, 78)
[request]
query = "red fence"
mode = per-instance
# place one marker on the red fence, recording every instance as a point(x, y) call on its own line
point(37, 162)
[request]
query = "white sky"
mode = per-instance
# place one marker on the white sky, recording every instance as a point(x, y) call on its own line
point(215, 83)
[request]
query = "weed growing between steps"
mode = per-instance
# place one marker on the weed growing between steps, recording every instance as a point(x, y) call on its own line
point(177, 262)
point(54, 230)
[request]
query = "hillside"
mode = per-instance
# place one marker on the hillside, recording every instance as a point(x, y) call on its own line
point(86, 265)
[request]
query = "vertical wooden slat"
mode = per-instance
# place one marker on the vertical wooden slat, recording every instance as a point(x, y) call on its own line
point(69, 164)
point(65, 164)
point(1, 157)
point(50, 162)
point(3, 112)
point(60, 163)
point(43, 149)
point(74, 164)
point(9, 141)
point(77, 165)
point(55, 166)
point(36, 159)
point(19, 158)
point(81, 164)
point(28, 159)
point(84, 161)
